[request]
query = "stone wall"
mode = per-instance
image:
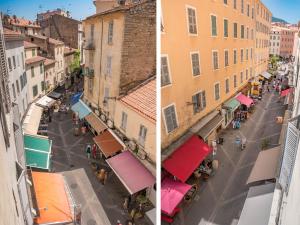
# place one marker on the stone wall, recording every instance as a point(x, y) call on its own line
point(139, 45)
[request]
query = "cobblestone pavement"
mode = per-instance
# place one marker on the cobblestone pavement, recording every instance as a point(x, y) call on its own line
point(100, 203)
point(220, 200)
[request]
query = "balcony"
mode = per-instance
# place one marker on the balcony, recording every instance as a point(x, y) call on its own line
point(88, 72)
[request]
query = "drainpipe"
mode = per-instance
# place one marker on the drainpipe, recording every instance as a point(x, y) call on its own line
point(101, 47)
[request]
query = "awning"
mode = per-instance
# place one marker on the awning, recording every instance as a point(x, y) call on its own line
point(187, 158)
point(37, 151)
point(151, 214)
point(266, 75)
point(232, 104)
point(285, 92)
point(205, 131)
point(52, 199)
point(244, 100)
point(257, 206)
point(108, 143)
point(32, 119)
point(265, 165)
point(172, 192)
point(131, 172)
point(75, 98)
point(82, 109)
point(55, 95)
point(95, 123)
point(45, 101)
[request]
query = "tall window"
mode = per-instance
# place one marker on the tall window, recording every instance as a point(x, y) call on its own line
point(199, 102)
point(246, 74)
point(41, 67)
point(248, 10)
point(242, 55)
point(32, 71)
point(14, 61)
point(234, 4)
point(33, 52)
point(90, 84)
point(242, 6)
point(217, 91)
point(42, 85)
point(165, 76)
point(226, 58)
point(252, 13)
point(234, 81)
point(213, 25)
point(195, 64)
point(226, 85)
point(14, 90)
point(215, 60)
point(242, 31)
point(226, 2)
point(110, 32)
point(35, 90)
point(142, 135)
point(124, 121)
point(108, 65)
point(170, 118)
point(192, 21)
point(225, 28)
point(92, 32)
point(235, 56)
point(247, 51)
point(9, 64)
point(22, 54)
point(247, 33)
point(242, 77)
point(235, 31)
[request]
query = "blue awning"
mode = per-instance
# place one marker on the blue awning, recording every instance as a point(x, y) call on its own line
point(81, 108)
point(75, 98)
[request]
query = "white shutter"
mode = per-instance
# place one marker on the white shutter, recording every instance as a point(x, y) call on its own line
point(289, 156)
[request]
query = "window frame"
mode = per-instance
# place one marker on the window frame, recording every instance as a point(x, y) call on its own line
point(226, 50)
point(225, 19)
point(164, 118)
point(187, 7)
point(213, 64)
point(169, 70)
point(191, 58)
point(211, 25)
point(217, 83)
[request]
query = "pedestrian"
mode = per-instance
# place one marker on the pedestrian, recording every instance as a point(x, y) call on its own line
point(94, 151)
point(88, 151)
point(268, 88)
point(125, 204)
point(233, 124)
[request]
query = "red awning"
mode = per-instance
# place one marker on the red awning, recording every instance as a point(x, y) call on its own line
point(187, 158)
point(243, 99)
point(285, 92)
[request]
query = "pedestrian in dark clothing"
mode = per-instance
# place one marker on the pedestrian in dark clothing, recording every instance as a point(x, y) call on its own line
point(268, 88)
point(88, 151)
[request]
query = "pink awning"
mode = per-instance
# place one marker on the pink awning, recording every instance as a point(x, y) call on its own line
point(244, 100)
point(131, 172)
point(172, 192)
point(285, 92)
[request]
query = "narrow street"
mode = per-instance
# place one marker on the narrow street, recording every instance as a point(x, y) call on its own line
point(221, 199)
point(100, 204)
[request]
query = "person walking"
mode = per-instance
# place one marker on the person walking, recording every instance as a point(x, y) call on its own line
point(88, 151)
point(94, 151)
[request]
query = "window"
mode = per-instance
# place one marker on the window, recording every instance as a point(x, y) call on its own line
point(142, 135)
point(227, 85)
point(42, 85)
point(225, 28)
point(251, 72)
point(234, 81)
point(9, 64)
point(18, 60)
point(215, 60)
point(106, 93)
point(108, 65)
point(170, 118)
point(247, 33)
point(22, 54)
point(217, 91)
point(225, 2)
point(110, 32)
point(226, 58)
point(235, 56)
point(252, 13)
point(24, 78)
point(41, 67)
point(242, 77)
point(33, 52)
point(248, 10)
point(32, 71)
point(247, 53)
point(124, 121)
point(199, 102)
point(242, 55)
point(213, 25)
point(14, 90)
point(21, 81)
point(18, 87)
point(92, 32)
point(242, 31)
point(242, 6)
point(235, 27)
point(251, 53)
point(35, 90)
point(247, 74)
point(165, 76)
point(195, 64)
point(192, 22)
point(14, 62)
point(234, 4)
point(90, 84)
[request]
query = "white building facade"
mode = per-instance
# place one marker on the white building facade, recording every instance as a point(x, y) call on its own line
point(274, 42)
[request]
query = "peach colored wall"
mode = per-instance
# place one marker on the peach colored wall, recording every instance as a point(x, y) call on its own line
point(287, 42)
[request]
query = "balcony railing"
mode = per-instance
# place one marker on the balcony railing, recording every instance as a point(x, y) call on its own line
point(88, 72)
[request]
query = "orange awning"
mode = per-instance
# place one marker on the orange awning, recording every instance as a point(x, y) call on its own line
point(108, 143)
point(52, 200)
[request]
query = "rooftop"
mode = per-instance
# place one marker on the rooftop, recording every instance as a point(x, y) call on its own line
point(21, 22)
point(143, 99)
point(12, 35)
point(29, 45)
point(51, 40)
point(49, 62)
point(34, 59)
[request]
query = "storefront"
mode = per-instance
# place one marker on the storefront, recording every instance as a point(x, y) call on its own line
point(32, 119)
point(81, 109)
point(229, 108)
point(45, 102)
point(95, 124)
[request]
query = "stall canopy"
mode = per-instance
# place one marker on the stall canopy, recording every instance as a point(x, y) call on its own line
point(108, 143)
point(37, 151)
point(266, 75)
point(244, 100)
point(32, 119)
point(285, 92)
point(52, 199)
point(55, 95)
point(232, 104)
point(131, 172)
point(45, 101)
point(257, 206)
point(172, 192)
point(81, 108)
point(75, 98)
point(205, 131)
point(95, 123)
point(187, 158)
point(262, 170)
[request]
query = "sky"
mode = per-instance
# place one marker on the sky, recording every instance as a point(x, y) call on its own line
point(79, 9)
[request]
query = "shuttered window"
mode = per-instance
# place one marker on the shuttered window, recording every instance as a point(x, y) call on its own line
point(170, 118)
point(195, 64)
point(199, 102)
point(213, 25)
point(142, 135)
point(124, 121)
point(192, 21)
point(215, 60)
point(217, 91)
point(225, 28)
point(165, 76)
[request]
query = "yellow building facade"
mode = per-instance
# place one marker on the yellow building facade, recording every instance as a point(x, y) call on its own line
point(207, 53)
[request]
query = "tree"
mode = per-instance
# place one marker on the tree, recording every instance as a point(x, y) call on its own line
point(75, 65)
point(274, 60)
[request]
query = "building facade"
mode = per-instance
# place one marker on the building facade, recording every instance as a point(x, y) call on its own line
point(275, 41)
point(21, 25)
point(287, 42)
point(50, 75)
point(117, 57)
point(16, 66)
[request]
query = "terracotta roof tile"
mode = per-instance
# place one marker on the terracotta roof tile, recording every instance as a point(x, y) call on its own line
point(51, 40)
point(35, 59)
point(143, 100)
point(21, 22)
point(30, 45)
point(49, 61)
point(10, 34)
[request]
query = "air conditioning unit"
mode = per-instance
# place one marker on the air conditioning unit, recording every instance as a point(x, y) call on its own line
point(142, 154)
point(132, 145)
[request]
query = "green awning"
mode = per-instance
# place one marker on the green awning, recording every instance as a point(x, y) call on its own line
point(232, 104)
point(37, 151)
